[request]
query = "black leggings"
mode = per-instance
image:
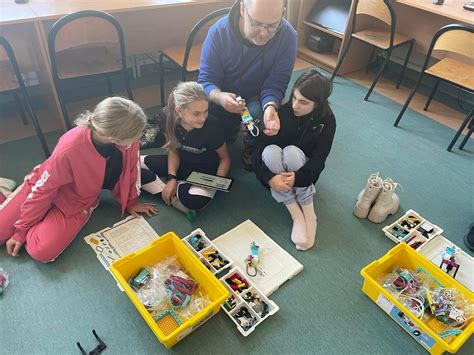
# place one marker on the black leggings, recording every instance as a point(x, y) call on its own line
point(158, 168)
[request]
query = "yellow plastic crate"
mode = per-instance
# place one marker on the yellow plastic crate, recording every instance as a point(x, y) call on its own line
point(165, 246)
point(404, 256)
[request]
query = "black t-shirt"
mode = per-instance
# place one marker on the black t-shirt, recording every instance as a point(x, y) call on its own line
point(205, 140)
point(113, 166)
point(197, 148)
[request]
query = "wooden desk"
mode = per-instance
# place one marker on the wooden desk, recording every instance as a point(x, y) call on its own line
point(53, 9)
point(421, 19)
point(11, 13)
point(452, 9)
point(148, 25)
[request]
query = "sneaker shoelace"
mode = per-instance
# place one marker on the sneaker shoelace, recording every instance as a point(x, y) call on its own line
point(389, 184)
point(374, 179)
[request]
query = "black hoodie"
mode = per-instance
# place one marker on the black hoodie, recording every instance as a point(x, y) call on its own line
point(313, 134)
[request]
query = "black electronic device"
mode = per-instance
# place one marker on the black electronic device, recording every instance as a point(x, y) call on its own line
point(438, 2)
point(469, 6)
point(331, 14)
point(319, 41)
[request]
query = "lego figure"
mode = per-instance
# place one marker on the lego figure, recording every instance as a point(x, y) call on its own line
point(448, 260)
point(247, 119)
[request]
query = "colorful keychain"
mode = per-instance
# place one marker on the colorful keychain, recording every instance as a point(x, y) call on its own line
point(251, 262)
point(248, 120)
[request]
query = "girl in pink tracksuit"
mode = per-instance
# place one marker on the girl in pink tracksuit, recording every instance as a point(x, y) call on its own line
point(57, 198)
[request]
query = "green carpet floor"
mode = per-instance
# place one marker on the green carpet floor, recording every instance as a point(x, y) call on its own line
point(49, 307)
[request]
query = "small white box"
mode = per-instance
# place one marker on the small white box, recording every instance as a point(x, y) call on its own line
point(205, 246)
point(243, 302)
point(412, 229)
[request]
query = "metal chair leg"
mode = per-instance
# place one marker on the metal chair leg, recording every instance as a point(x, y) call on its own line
point(370, 60)
point(127, 84)
point(428, 102)
point(402, 73)
point(466, 138)
point(20, 108)
point(35, 121)
point(63, 108)
point(461, 128)
point(377, 77)
point(162, 80)
point(109, 86)
point(339, 63)
point(409, 98)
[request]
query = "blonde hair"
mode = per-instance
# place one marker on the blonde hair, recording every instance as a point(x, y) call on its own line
point(115, 117)
point(182, 96)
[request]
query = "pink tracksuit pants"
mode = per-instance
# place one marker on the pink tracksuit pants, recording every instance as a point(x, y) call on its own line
point(50, 236)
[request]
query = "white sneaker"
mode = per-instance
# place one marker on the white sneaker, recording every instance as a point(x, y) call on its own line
point(367, 196)
point(387, 202)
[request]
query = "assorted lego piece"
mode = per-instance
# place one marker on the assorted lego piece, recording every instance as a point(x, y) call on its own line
point(444, 310)
point(207, 252)
point(412, 229)
point(247, 306)
point(168, 293)
point(3, 280)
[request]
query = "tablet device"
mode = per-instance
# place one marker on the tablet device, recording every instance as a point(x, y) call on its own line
point(216, 182)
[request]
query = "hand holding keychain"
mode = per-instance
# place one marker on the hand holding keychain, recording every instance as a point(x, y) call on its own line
point(248, 120)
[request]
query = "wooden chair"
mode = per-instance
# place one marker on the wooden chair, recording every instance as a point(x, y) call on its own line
point(86, 44)
point(458, 41)
point(382, 38)
point(11, 81)
point(188, 57)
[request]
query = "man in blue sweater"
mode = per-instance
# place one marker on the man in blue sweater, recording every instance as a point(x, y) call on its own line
point(249, 53)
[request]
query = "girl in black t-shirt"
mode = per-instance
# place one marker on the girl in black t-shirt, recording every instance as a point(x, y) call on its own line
point(194, 142)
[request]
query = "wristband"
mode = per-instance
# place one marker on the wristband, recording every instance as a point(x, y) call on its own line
point(268, 104)
point(171, 177)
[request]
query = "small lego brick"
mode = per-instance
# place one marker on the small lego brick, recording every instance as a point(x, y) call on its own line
point(230, 303)
point(140, 279)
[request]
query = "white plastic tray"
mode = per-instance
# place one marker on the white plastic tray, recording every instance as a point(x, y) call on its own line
point(208, 244)
point(276, 265)
point(241, 302)
point(434, 249)
point(411, 234)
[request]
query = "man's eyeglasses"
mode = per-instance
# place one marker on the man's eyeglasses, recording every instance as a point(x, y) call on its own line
point(271, 28)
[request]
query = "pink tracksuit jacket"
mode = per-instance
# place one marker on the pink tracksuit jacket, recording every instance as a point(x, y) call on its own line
point(71, 179)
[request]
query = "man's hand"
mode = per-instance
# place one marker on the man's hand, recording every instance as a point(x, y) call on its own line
point(271, 121)
point(228, 101)
point(169, 191)
point(289, 178)
point(13, 247)
point(146, 208)
point(278, 183)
